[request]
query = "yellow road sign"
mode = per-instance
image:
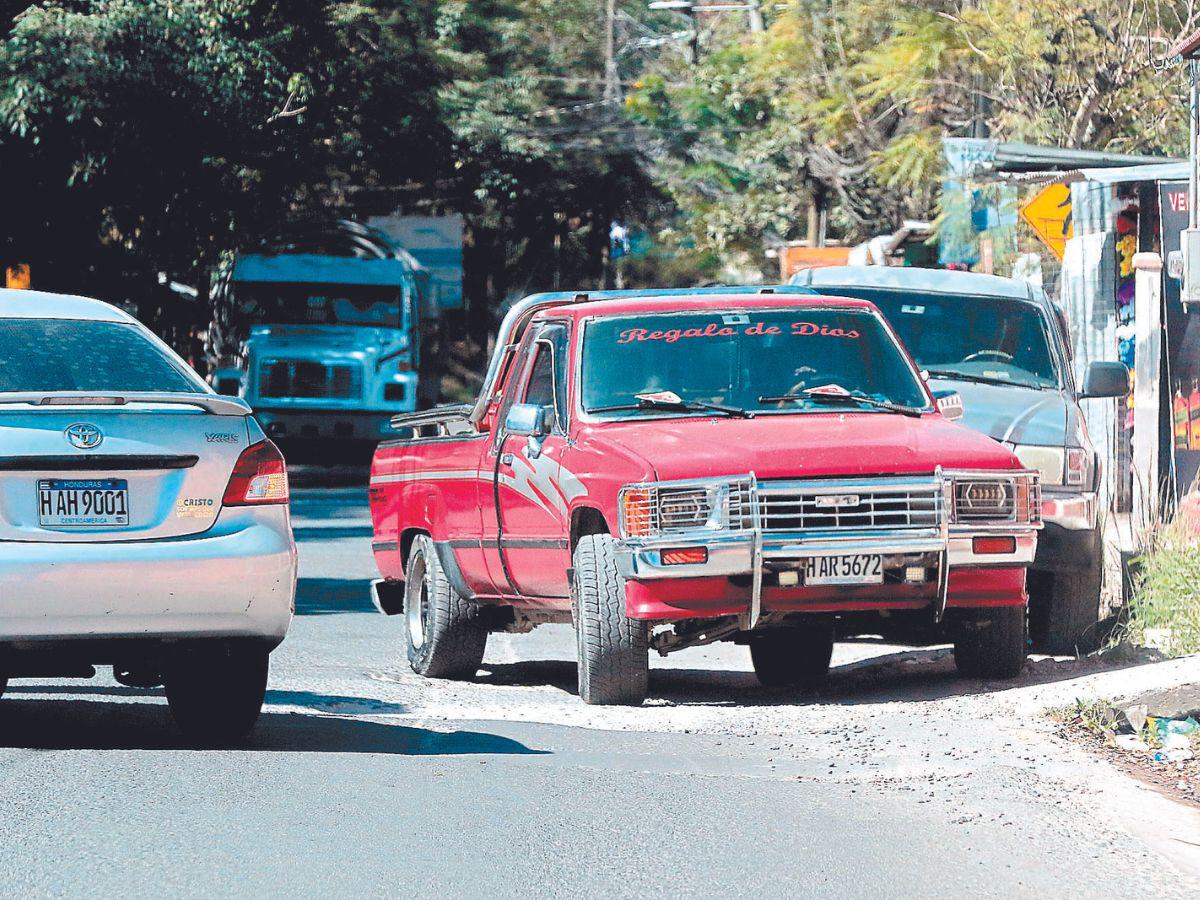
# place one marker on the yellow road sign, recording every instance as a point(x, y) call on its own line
point(1049, 215)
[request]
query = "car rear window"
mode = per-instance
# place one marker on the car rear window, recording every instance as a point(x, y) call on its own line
point(80, 355)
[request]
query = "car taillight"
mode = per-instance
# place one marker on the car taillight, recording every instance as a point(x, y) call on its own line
point(259, 476)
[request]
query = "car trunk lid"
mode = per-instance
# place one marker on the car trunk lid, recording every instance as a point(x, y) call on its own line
point(86, 469)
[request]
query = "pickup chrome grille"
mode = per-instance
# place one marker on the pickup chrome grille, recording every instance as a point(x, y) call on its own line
point(850, 505)
point(309, 380)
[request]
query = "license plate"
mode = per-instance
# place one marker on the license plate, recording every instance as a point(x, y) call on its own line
point(857, 569)
point(90, 503)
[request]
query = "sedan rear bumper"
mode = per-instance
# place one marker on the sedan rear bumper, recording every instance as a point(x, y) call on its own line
point(236, 580)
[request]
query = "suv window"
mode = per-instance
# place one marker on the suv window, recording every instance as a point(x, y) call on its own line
point(82, 355)
point(987, 338)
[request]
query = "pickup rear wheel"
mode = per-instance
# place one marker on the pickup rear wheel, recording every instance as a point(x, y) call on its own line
point(443, 633)
point(785, 657)
point(992, 644)
point(614, 650)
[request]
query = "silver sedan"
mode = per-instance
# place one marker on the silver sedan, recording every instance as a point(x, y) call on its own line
point(143, 519)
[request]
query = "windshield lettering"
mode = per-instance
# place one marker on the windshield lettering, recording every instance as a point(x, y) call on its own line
point(671, 336)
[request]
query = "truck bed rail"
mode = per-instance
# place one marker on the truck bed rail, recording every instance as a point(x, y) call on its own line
point(447, 420)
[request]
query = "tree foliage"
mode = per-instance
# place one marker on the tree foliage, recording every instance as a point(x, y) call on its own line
point(848, 102)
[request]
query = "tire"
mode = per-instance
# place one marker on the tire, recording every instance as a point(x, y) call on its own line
point(992, 645)
point(442, 632)
point(216, 695)
point(613, 650)
point(1065, 609)
point(789, 657)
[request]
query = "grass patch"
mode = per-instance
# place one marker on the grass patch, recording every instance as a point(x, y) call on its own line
point(1165, 610)
point(1094, 716)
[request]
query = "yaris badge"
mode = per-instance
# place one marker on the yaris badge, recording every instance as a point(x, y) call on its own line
point(83, 436)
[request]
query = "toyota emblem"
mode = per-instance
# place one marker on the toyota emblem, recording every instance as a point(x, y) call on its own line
point(84, 436)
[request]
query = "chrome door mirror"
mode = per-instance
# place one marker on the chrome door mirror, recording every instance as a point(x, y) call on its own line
point(949, 404)
point(1105, 379)
point(527, 420)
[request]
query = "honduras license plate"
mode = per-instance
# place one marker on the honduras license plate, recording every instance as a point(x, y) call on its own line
point(860, 568)
point(87, 503)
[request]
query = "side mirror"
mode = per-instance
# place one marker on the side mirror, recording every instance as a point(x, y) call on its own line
point(1105, 379)
point(527, 420)
point(949, 404)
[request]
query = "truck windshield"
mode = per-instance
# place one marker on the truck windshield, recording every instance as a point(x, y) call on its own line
point(990, 339)
point(320, 305)
point(795, 360)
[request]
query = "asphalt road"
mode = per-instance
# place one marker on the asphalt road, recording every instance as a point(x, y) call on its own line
point(898, 779)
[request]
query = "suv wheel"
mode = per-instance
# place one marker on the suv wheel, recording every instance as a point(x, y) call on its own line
point(992, 644)
point(613, 650)
point(792, 656)
point(216, 695)
point(444, 636)
point(1065, 608)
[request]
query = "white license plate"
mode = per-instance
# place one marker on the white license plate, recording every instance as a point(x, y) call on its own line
point(860, 568)
point(83, 503)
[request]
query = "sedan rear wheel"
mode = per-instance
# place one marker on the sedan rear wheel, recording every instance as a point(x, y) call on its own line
point(216, 695)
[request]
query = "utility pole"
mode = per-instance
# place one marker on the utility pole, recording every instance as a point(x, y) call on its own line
point(612, 85)
point(757, 24)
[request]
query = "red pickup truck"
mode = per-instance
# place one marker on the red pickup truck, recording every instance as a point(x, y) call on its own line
point(670, 469)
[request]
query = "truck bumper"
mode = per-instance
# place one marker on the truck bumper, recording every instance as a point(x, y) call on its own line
point(326, 424)
point(745, 574)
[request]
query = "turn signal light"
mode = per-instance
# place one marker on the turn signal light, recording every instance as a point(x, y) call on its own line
point(638, 505)
point(259, 477)
point(994, 545)
point(684, 556)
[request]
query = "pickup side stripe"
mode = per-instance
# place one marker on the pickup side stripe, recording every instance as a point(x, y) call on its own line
point(445, 475)
point(511, 543)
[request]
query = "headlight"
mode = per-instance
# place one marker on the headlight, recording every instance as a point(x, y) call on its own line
point(982, 500)
point(648, 510)
point(1072, 466)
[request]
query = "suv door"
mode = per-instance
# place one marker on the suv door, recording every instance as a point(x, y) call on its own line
point(531, 504)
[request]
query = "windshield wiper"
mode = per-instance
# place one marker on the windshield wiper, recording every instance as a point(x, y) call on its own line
point(817, 396)
point(677, 406)
point(955, 375)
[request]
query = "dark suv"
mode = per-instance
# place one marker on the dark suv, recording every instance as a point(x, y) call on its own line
point(1003, 346)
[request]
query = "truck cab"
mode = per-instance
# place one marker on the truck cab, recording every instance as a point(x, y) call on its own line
point(331, 347)
point(672, 469)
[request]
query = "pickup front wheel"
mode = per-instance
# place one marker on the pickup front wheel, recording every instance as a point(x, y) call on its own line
point(614, 650)
point(442, 630)
point(792, 657)
point(992, 645)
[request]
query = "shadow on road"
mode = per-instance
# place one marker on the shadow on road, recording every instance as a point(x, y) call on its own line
point(331, 532)
point(908, 676)
point(330, 596)
point(93, 724)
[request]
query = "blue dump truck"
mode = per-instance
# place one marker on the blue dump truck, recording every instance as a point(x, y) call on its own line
point(332, 337)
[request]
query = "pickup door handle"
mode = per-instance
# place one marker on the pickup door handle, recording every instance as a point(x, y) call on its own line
point(506, 459)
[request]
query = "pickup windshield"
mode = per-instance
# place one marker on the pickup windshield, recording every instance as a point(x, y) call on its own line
point(762, 361)
point(987, 339)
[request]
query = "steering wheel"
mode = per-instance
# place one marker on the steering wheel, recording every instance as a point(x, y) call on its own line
point(999, 355)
